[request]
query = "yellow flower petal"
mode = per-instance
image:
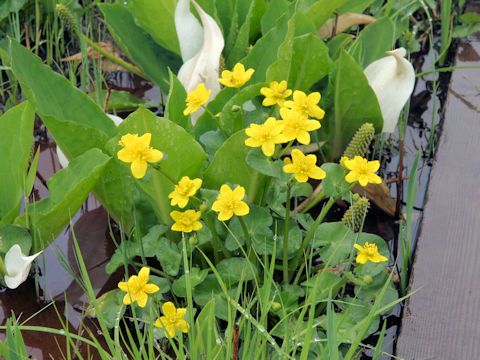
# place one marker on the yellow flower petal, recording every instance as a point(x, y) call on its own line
point(169, 310)
point(151, 288)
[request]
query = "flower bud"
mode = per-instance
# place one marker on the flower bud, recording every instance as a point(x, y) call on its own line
point(368, 279)
point(193, 241)
point(276, 306)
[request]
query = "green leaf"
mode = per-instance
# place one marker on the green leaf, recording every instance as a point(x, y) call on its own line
point(157, 19)
point(16, 129)
point(148, 246)
point(355, 6)
point(374, 40)
point(110, 306)
point(334, 183)
point(335, 242)
point(245, 33)
point(235, 269)
point(176, 103)
point(229, 166)
point(273, 14)
point(212, 141)
point(183, 156)
point(264, 165)
point(266, 50)
point(310, 62)
point(258, 223)
point(322, 10)
point(327, 282)
point(354, 104)
point(68, 189)
point(11, 235)
point(206, 332)
point(49, 92)
point(9, 6)
point(139, 46)
point(170, 256)
point(197, 276)
point(370, 293)
point(280, 68)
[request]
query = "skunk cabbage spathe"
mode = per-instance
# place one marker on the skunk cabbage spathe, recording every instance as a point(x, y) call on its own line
point(392, 78)
point(204, 66)
point(17, 266)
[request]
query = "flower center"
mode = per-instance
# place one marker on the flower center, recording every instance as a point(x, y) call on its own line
point(371, 249)
point(184, 189)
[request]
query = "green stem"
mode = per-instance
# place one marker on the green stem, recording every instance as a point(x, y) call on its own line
point(248, 242)
point(188, 285)
point(286, 276)
point(3, 269)
point(169, 178)
point(127, 66)
point(217, 243)
point(311, 232)
point(284, 151)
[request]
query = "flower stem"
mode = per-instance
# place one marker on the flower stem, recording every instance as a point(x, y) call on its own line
point(169, 178)
point(115, 59)
point(311, 232)
point(286, 276)
point(3, 269)
point(248, 242)
point(285, 150)
point(188, 286)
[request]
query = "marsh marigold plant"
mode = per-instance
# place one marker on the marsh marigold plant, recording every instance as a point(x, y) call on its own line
point(368, 252)
point(137, 288)
point(266, 135)
point(303, 167)
point(137, 151)
point(183, 191)
point(275, 93)
point(196, 99)
point(362, 171)
point(306, 104)
point(172, 320)
point(297, 126)
point(236, 78)
point(186, 221)
point(230, 202)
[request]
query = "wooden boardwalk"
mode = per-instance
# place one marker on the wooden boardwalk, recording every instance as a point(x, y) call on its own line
point(442, 320)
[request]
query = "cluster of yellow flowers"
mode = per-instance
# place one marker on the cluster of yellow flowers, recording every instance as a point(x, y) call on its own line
point(138, 288)
point(233, 79)
point(228, 203)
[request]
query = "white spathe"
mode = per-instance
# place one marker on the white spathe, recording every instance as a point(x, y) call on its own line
point(392, 78)
point(62, 159)
point(204, 66)
point(189, 30)
point(18, 266)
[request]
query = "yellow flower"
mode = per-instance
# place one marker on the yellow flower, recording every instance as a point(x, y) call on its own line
point(342, 160)
point(236, 78)
point(137, 288)
point(266, 135)
point(362, 170)
point(184, 190)
point(137, 151)
point(172, 320)
point(276, 93)
point(297, 126)
point(230, 202)
point(303, 167)
point(306, 104)
point(368, 252)
point(196, 99)
point(186, 221)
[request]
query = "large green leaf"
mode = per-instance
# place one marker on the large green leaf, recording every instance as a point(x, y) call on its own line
point(72, 117)
point(139, 46)
point(310, 62)
point(53, 95)
point(229, 166)
point(374, 40)
point(157, 19)
point(8, 6)
point(247, 31)
point(14, 235)
point(68, 189)
point(322, 10)
point(16, 129)
point(354, 104)
point(184, 156)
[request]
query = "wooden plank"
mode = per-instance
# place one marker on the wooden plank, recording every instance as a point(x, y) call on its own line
point(442, 321)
